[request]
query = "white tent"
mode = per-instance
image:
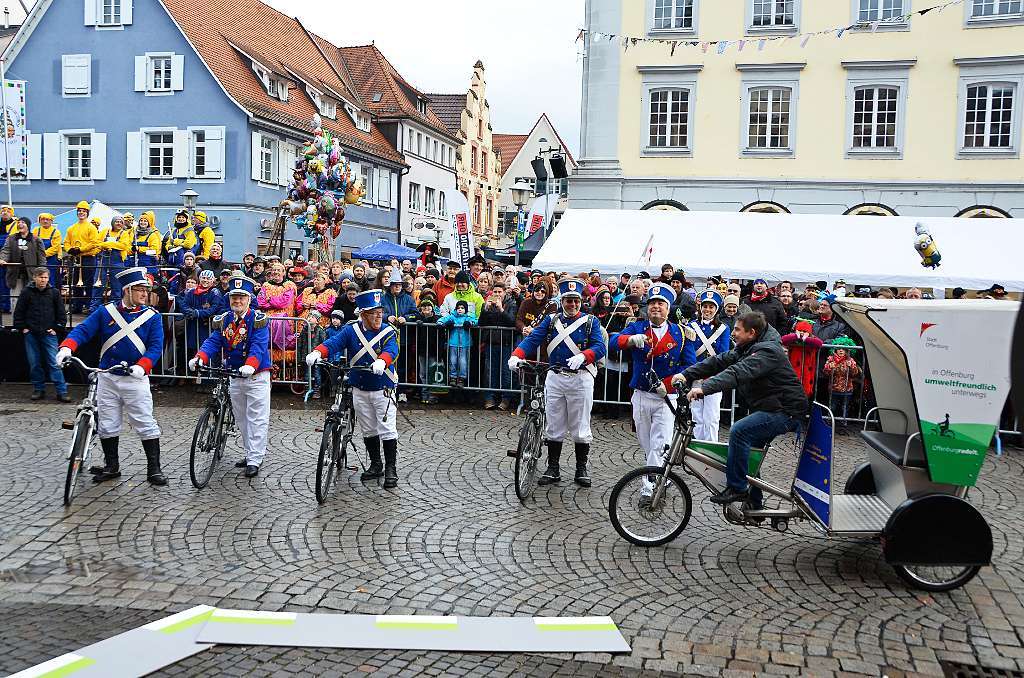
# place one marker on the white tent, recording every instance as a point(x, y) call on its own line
point(862, 250)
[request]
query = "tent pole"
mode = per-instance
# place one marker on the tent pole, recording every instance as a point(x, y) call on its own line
point(7, 154)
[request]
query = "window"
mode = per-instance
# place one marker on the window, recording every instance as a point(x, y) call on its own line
point(879, 10)
point(476, 211)
point(768, 124)
point(110, 13)
point(874, 117)
point(483, 163)
point(414, 197)
point(988, 118)
point(673, 15)
point(198, 153)
point(160, 74)
point(430, 200)
point(480, 128)
point(411, 145)
point(870, 210)
point(769, 118)
point(160, 154)
point(77, 157)
point(421, 106)
point(451, 161)
point(763, 207)
point(995, 8)
point(437, 157)
point(773, 13)
point(472, 160)
point(419, 144)
point(267, 160)
point(324, 106)
point(989, 106)
point(670, 115)
point(489, 214)
point(442, 205)
point(668, 109)
point(76, 75)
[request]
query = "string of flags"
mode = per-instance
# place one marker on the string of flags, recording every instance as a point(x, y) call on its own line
point(759, 43)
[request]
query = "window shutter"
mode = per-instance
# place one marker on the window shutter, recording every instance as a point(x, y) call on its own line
point(383, 188)
point(51, 156)
point(90, 12)
point(215, 152)
point(35, 156)
point(256, 136)
point(99, 155)
point(394, 183)
point(284, 164)
point(140, 73)
point(126, 12)
point(180, 161)
point(178, 72)
point(134, 164)
point(75, 73)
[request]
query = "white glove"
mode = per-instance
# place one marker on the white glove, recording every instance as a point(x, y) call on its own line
point(637, 340)
point(313, 358)
point(378, 366)
point(247, 370)
point(63, 355)
point(660, 389)
point(513, 362)
point(194, 364)
point(137, 372)
point(576, 361)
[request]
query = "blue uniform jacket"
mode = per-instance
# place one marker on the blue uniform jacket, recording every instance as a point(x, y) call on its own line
point(242, 342)
point(101, 324)
point(348, 343)
point(721, 345)
point(673, 354)
point(588, 337)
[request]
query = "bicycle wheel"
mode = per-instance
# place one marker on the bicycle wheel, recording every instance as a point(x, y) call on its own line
point(202, 458)
point(346, 431)
point(649, 524)
point(79, 445)
point(326, 462)
point(527, 456)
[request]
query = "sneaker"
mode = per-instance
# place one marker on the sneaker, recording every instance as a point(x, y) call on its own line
point(64, 397)
point(730, 495)
point(251, 470)
point(241, 464)
point(504, 405)
point(489, 404)
point(36, 395)
point(315, 395)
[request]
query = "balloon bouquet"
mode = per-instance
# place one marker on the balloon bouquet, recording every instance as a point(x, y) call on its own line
point(322, 185)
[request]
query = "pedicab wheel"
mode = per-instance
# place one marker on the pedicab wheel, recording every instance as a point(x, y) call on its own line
point(298, 389)
point(861, 481)
point(527, 456)
point(937, 577)
point(202, 458)
point(325, 463)
point(654, 524)
point(78, 448)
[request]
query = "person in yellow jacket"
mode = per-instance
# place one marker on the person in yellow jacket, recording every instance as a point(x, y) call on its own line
point(146, 244)
point(114, 248)
point(180, 239)
point(82, 243)
point(8, 226)
point(206, 236)
point(50, 235)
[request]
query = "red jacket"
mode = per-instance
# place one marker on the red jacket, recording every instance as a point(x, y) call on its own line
point(803, 356)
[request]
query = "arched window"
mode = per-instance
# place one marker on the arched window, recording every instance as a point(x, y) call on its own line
point(666, 205)
point(870, 209)
point(765, 207)
point(983, 212)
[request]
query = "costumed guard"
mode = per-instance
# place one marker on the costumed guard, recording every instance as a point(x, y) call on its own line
point(712, 338)
point(115, 243)
point(369, 342)
point(574, 340)
point(131, 332)
point(242, 335)
point(667, 349)
point(180, 239)
point(8, 227)
point(147, 244)
point(50, 235)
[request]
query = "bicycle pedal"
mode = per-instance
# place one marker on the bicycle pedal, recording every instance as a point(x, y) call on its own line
point(67, 425)
point(512, 453)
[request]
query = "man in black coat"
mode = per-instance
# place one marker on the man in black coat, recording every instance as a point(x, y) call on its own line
point(759, 371)
point(760, 300)
point(39, 315)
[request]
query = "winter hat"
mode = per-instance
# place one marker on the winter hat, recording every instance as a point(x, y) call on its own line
point(731, 299)
point(804, 326)
point(339, 315)
point(462, 277)
point(207, 274)
point(461, 303)
point(845, 343)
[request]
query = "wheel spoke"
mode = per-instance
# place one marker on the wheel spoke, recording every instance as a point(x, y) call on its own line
point(638, 519)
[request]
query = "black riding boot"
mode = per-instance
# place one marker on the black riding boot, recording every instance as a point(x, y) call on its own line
point(110, 469)
point(582, 472)
point(554, 454)
point(153, 473)
point(376, 468)
point(390, 464)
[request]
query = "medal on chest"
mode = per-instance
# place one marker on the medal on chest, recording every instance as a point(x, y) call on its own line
point(234, 334)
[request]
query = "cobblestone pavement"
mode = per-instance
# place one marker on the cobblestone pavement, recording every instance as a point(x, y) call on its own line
point(453, 539)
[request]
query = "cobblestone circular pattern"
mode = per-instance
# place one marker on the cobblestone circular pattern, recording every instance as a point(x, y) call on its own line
point(453, 539)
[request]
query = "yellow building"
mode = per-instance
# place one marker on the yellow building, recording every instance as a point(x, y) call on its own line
point(478, 169)
point(915, 117)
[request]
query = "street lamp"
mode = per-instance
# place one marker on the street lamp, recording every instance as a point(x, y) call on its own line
point(520, 194)
point(189, 199)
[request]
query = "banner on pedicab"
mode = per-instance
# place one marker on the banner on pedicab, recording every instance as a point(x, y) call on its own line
point(958, 356)
point(813, 480)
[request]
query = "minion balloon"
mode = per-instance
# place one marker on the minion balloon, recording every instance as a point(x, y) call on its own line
point(926, 247)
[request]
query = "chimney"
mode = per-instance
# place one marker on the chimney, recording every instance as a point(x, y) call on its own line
point(7, 17)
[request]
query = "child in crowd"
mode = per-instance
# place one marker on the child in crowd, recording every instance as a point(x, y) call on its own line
point(459, 342)
point(426, 342)
point(841, 369)
point(802, 347)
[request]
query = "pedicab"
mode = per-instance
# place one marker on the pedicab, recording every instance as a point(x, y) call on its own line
point(939, 384)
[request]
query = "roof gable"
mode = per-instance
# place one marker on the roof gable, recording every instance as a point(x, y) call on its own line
point(511, 144)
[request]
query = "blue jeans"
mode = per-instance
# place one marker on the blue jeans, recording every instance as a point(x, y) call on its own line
point(458, 362)
point(41, 352)
point(499, 376)
point(107, 275)
point(757, 429)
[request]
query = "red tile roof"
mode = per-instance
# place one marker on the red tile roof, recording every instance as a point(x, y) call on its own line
point(224, 27)
point(508, 145)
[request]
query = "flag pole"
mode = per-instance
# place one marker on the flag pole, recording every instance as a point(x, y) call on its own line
point(7, 153)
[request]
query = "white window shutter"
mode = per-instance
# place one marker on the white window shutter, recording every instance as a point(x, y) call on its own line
point(35, 156)
point(256, 156)
point(134, 164)
point(177, 72)
point(394, 184)
point(52, 160)
point(76, 73)
point(99, 155)
point(141, 76)
point(90, 12)
point(180, 162)
point(215, 152)
point(126, 12)
point(284, 172)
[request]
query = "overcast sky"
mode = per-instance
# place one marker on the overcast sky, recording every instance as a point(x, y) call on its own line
point(528, 48)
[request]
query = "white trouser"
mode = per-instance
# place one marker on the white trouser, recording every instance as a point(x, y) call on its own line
point(568, 399)
point(707, 413)
point(250, 403)
point(127, 396)
point(654, 423)
point(376, 413)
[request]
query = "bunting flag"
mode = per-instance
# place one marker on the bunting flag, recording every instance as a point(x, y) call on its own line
point(721, 46)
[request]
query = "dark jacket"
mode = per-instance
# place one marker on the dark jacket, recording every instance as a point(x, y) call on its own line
point(39, 310)
point(684, 310)
point(215, 265)
point(828, 331)
point(20, 261)
point(773, 310)
point(491, 317)
point(759, 371)
point(345, 306)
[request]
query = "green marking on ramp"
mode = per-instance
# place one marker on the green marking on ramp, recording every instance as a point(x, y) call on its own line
point(186, 623)
point(253, 620)
point(68, 669)
point(577, 627)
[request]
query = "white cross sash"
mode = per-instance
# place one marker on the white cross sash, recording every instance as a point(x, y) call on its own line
point(368, 348)
point(708, 343)
point(126, 330)
point(564, 336)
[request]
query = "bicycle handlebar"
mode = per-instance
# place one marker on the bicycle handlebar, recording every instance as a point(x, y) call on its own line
point(338, 367)
point(538, 366)
point(95, 370)
point(217, 371)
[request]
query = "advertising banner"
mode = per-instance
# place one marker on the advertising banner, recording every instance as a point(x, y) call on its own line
point(461, 228)
point(15, 138)
point(541, 213)
point(958, 355)
point(814, 471)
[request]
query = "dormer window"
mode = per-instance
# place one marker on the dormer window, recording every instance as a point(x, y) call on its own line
point(421, 105)
point(328, 108)
point(275, 86)
point(360, 119)
point(282, 90)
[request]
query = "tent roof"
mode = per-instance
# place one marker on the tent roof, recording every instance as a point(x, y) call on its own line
point(96, 209)
point(383, 250)
point(864, 250)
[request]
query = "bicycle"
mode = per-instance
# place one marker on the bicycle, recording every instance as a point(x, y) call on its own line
point(84, 426)
point(532, 377)
point(339, 427)
point(212, 429)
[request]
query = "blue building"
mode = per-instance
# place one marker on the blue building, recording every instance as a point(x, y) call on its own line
point(132, 101)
